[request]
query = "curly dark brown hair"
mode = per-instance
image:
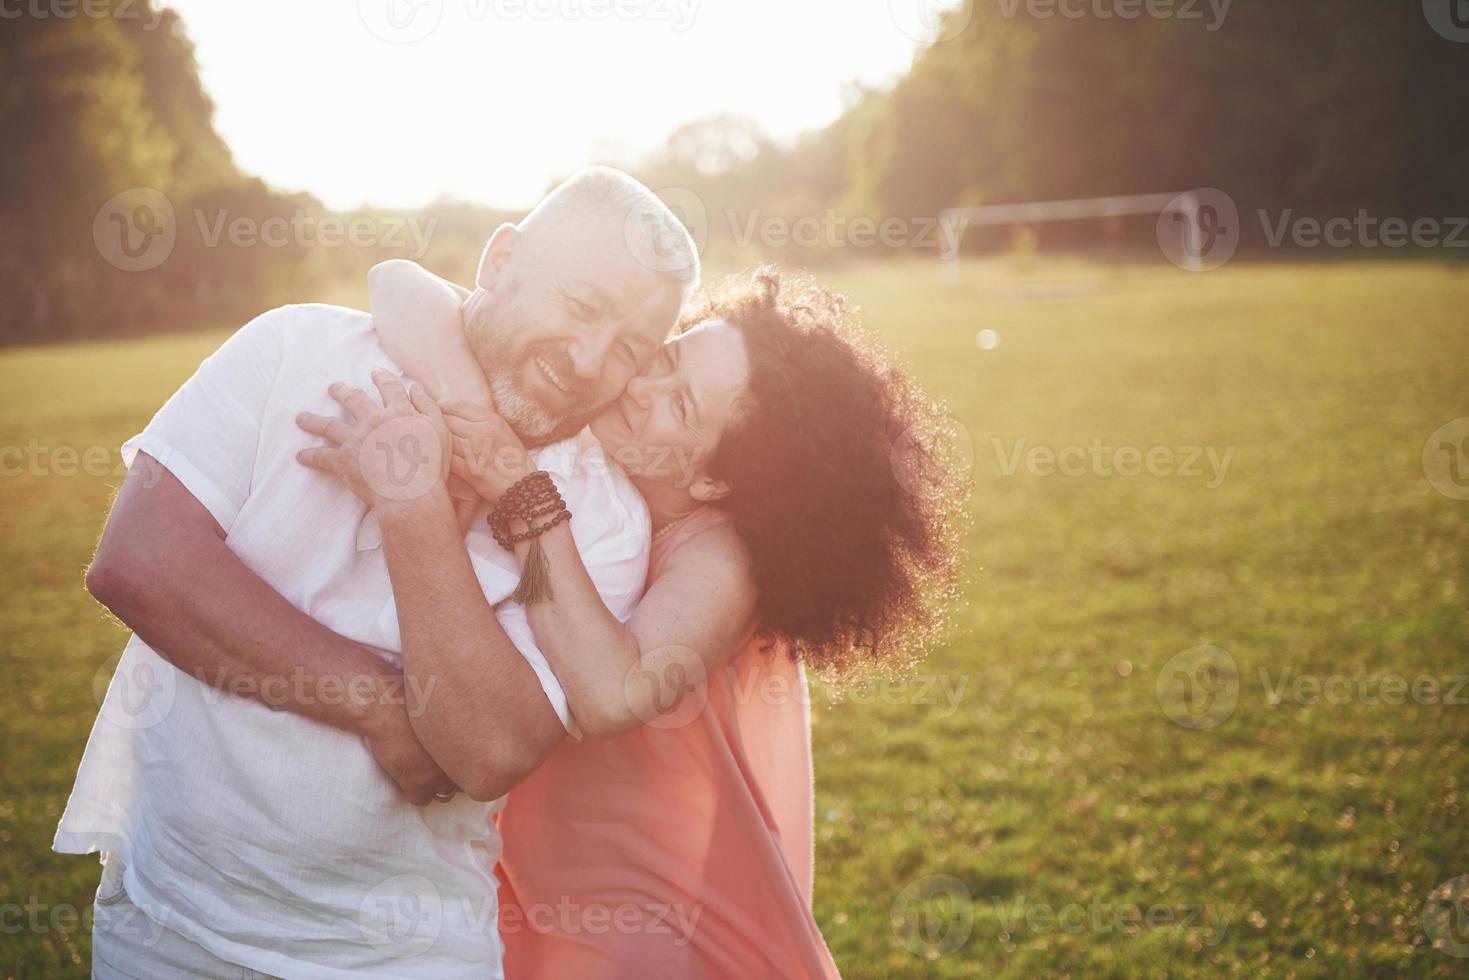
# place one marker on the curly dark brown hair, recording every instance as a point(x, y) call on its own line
point(844, 483)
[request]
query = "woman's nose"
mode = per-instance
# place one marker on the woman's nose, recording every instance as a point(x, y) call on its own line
point(638, 390)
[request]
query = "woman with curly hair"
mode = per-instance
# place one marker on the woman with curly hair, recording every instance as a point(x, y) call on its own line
point(803, 517)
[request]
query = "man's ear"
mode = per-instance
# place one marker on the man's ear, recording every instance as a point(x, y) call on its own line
point(707, 489)
point(498, 249)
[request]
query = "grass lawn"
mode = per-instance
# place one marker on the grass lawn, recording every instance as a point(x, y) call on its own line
point(1071, 785)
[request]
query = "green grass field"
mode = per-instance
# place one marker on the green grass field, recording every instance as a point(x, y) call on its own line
point(1035, 761)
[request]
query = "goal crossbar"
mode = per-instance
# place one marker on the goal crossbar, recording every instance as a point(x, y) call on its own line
point(1186, 203)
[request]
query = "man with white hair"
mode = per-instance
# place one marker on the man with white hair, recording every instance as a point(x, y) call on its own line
point(244, 829)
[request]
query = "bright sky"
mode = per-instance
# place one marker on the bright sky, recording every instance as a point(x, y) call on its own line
point(489, 100)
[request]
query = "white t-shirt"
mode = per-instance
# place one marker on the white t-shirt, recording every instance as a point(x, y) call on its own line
point(274, 841)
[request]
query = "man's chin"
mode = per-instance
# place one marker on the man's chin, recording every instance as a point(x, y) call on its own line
point(569, 427)
point(525, 414)
point(542, 426)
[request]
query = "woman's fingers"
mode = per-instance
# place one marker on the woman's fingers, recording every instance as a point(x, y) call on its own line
point(395, 396)
point(465, 450)
point(465, 509)
point(419, 397)
point(457, 425)
point(354, 400)
point(460, 488)
point(468, 411)
point(320, 425)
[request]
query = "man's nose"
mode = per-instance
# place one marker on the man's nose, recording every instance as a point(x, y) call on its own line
point(589, 353)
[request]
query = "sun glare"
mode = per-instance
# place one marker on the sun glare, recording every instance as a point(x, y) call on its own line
point(396, 103)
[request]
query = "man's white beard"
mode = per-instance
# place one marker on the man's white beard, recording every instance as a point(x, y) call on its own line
point(525, 416)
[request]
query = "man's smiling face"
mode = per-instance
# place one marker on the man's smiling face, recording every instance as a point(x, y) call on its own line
point(564, 317)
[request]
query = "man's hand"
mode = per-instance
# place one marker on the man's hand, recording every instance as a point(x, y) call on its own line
point(164, 569)
point(388, 455)
point(389, 735)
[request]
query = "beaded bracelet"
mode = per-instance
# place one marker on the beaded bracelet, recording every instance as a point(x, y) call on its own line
point(533, 531)
point(529, 499)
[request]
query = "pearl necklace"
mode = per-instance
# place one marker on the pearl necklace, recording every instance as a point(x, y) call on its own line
point(666, 528)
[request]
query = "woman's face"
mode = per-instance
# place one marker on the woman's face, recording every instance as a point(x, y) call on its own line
point(668, 422)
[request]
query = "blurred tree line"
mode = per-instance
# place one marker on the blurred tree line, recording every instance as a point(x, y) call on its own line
point(1321, 106)
point(92, 106)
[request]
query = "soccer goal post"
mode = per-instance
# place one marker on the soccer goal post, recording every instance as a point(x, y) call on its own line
point(1185, 204)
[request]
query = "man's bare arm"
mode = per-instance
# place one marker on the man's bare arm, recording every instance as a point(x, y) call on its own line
point(163, 568)
point(489, 724)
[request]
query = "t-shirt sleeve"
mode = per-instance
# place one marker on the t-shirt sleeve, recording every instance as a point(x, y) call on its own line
point(208, 434)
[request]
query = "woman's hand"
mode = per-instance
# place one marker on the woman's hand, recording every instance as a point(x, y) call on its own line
point(488, 455)
point(389, 455)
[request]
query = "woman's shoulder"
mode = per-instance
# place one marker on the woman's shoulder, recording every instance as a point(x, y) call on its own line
point(711, 527)
point(708, 539)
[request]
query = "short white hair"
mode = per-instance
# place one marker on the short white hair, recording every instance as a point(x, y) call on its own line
point(653, 232)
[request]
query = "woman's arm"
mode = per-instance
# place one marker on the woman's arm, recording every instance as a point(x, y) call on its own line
point(418, 322)
point(616, 676)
